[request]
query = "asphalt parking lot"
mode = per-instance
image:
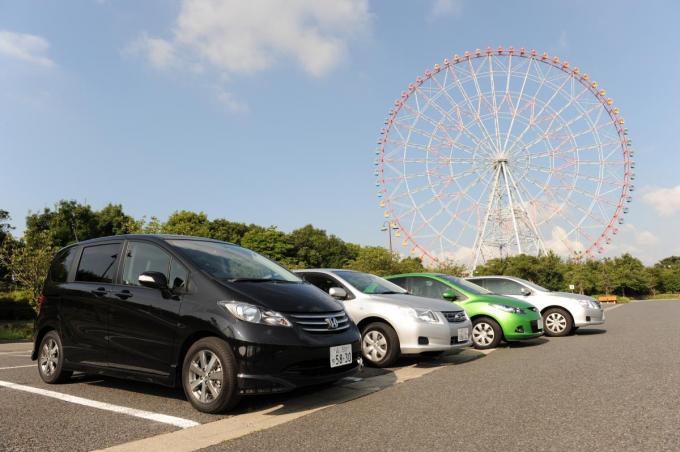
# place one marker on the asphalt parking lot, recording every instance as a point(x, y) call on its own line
point(616, 387)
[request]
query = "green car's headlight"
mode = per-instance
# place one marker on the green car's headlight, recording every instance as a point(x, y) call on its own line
point(506, 308)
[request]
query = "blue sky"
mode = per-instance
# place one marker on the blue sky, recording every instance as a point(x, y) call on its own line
point(271, 116)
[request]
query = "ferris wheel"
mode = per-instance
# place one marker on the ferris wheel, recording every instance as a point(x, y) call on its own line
point(504, 151)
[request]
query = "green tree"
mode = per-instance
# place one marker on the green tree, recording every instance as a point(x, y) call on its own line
point(379, 261)
point(69, 222)
point(629, 275)
point(112, 220)
point(583, 275)
point(185, 222)
point(5, 229)
point(313, 247)
point(28, 261)
point(228, 231)
point(449, 267)
point(270, 242)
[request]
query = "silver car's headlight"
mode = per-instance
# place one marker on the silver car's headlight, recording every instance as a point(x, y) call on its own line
point(251, 313)
point(425, 315)
point(506, 308)
point(590, 304)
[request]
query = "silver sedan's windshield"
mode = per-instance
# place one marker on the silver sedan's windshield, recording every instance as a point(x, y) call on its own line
point(232, 263)
point(369, 284)
point(467, 285)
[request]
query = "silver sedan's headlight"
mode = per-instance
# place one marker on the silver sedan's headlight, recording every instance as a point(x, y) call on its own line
point(251, 313)
point(425, 315)
point(506, 308)
point(589, 304)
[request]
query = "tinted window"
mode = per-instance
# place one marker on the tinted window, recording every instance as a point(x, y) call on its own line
point(430, 288)
point(324, 282)
point(143, 257)
point(179, 276)
point(97, 263)
point(401, 282)
point(369, 284)
point(61, 265)
point(503, 286)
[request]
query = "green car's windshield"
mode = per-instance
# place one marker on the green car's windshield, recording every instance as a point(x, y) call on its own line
point(233, 263)
point(467, 285)
point(369, 284)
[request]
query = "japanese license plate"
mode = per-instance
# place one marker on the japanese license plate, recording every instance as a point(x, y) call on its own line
point(341, 355)
point(463, 334)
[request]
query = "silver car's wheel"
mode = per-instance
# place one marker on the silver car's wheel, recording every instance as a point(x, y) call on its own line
point(49, 357)
point(374, 346)
point(379, 344)
point(486, 333)
point(557, 322)
point(206, 377)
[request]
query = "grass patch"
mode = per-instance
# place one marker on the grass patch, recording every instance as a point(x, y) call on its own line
point(16, 331)
point(662, 296)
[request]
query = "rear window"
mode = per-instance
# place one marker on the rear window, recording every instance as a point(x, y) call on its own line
point(61, 265)
point(97, 263)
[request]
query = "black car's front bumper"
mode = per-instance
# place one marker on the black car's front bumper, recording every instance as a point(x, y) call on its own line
point(272, 368)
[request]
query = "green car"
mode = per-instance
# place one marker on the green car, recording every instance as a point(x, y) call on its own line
point(494, 317)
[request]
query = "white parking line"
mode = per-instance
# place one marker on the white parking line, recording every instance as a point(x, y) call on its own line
point(156, 417)
point(613, 307)
point(17, 351)
point(17, 367)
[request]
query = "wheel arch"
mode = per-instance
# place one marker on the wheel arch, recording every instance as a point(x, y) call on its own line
point(371, 319)
point(39, 337)
point(556, 306)
point(187, 342)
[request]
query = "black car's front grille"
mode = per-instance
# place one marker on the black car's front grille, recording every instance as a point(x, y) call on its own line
point(454, 316)
point(534, 326)
point(326, 322)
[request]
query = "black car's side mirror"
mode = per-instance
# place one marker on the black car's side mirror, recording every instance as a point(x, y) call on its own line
point(449, 295)
point(153, 280)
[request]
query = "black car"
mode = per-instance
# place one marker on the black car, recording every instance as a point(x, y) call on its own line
point(218, 318)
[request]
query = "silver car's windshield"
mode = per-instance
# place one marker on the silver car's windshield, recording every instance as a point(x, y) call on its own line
point(369, 284)
point(233, 263)
point(534, 286)
point(467, 285)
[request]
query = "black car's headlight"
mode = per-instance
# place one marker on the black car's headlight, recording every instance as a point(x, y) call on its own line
point(251, 313)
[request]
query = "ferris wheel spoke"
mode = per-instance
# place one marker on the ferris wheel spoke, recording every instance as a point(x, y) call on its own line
point(481, 98)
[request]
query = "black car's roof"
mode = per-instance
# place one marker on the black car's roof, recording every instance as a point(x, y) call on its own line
point(153, 237)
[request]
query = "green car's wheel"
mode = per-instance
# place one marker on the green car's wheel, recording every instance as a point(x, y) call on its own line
point(486, 333)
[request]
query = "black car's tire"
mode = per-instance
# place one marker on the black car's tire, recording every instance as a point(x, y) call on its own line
point(379, 344)
point(486, 333)
point(51, 359)
point(209, 376)
point(557, 322)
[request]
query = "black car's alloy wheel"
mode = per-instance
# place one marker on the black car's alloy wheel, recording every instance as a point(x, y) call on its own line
point(209, 376)
point(51, 359)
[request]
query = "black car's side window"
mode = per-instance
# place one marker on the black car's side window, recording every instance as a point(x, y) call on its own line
point(143, 257)
point(97, 263)
point(62, 265)
point(179, 276)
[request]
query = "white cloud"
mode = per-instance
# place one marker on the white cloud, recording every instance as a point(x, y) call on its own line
point(25, 47)
point(243, 37)
point(666, 201)
point(228, 100)
point(160, 53)
point(561, 244)
point(442, 8)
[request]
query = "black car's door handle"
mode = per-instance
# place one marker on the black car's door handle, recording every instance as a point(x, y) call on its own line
point(123, 294)
point(99, 292)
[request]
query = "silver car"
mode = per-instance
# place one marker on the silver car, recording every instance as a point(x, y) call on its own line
point(393, 322)
point(562, 312)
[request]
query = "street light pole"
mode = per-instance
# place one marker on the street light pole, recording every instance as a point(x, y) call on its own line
point(387, 226)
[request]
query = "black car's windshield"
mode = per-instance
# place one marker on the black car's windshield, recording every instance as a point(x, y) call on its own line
point(233, 263)
point(369, 284)
point(466, 285)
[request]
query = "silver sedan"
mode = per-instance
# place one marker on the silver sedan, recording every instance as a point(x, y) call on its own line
point(393, 322)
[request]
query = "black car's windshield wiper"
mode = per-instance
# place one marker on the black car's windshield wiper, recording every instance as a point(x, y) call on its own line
point(257, 280)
